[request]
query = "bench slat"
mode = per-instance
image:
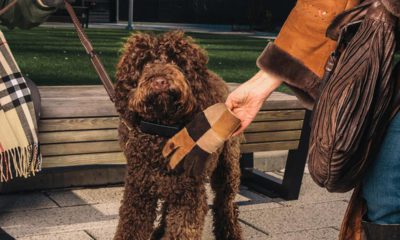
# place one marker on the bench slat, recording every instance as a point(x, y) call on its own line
point(279, 115)
point(88, 91)
point(281, 104)
point(87, 107)
point(84, 101)
point(84, 91)
point(67, 108)
point(270, 146)
point(116, 158)
point(257, 132)
point(275, 126)
point(80, 148)
point(272, 136)
point(113, 146)
point(68, 124)
point(78, 136)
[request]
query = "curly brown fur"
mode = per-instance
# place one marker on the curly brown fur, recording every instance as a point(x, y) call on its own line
point(164, 79)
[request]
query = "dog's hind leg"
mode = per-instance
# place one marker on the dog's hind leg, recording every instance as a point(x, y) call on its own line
point(186, 215)
point(136, 214)
point(225, 183)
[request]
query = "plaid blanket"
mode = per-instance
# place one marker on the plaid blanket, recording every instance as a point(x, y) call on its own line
point(19, 147)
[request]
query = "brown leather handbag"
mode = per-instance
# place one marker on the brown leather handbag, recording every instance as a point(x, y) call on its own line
point(354, 96)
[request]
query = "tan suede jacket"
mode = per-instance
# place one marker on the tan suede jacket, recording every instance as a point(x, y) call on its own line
point(298, 57)
point(300, 52)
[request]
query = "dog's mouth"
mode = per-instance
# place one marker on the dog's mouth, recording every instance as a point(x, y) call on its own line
point(163, 101)
point(168, 107)
point(172, 94)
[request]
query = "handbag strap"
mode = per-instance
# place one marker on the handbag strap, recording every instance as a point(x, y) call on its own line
point(341, 30)
point(8, 7)
point(94, 58)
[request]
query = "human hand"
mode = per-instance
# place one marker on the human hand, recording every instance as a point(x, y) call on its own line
point(246, 100)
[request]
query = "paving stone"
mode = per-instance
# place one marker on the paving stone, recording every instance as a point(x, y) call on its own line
point(107, 232)
point(319, 234)
point(25, 201)
point(54, 220)
point(260, 205)
point(248, 232)
point(241, 197)
point(253, 196)
point(325, 233)
point(104, 233)
point(244, 196)
point(76, 197)
point(270, 161)
point(296, 218)
point(210, 196)
point(312, 193)
point(60, 236)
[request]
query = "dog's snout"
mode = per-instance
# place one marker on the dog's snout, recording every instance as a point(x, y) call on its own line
point(160, 83)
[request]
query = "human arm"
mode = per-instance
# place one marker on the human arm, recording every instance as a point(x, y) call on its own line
point(296, 58)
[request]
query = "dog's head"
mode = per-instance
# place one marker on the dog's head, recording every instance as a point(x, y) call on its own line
point(160, 78)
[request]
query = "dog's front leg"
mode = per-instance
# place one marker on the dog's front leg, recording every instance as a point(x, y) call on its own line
point(225, 184)
point(186, 215)
point(137, 214)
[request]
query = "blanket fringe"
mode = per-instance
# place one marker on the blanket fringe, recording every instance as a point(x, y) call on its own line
point(20, 162)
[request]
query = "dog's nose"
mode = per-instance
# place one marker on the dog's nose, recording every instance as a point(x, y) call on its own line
point(160, 83)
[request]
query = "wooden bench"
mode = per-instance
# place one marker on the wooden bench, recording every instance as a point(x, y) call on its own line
point(79, 141)
point(62, 15)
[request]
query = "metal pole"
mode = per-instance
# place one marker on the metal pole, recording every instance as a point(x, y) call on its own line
point(130, 17)
point(117, 11)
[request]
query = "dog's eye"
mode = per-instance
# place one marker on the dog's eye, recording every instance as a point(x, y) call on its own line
point(129, 85)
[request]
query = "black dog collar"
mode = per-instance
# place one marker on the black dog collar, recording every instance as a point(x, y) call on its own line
point(158, 129)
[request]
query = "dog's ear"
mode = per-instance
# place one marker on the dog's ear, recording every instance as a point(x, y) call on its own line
point(138, 50)
point(182, 50)
point(192, 59)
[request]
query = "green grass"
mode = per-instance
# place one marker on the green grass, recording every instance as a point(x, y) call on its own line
point(54, 56)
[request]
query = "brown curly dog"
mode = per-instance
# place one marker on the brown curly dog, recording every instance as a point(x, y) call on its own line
point(164, 79)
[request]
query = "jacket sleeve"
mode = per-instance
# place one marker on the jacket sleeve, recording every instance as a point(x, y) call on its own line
point(299, 53)
point(25, 14)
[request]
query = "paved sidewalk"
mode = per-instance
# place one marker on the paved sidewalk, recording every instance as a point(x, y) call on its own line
point(195, 28)
point(92, 213)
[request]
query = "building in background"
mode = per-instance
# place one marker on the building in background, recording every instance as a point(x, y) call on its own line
point(259, 14)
